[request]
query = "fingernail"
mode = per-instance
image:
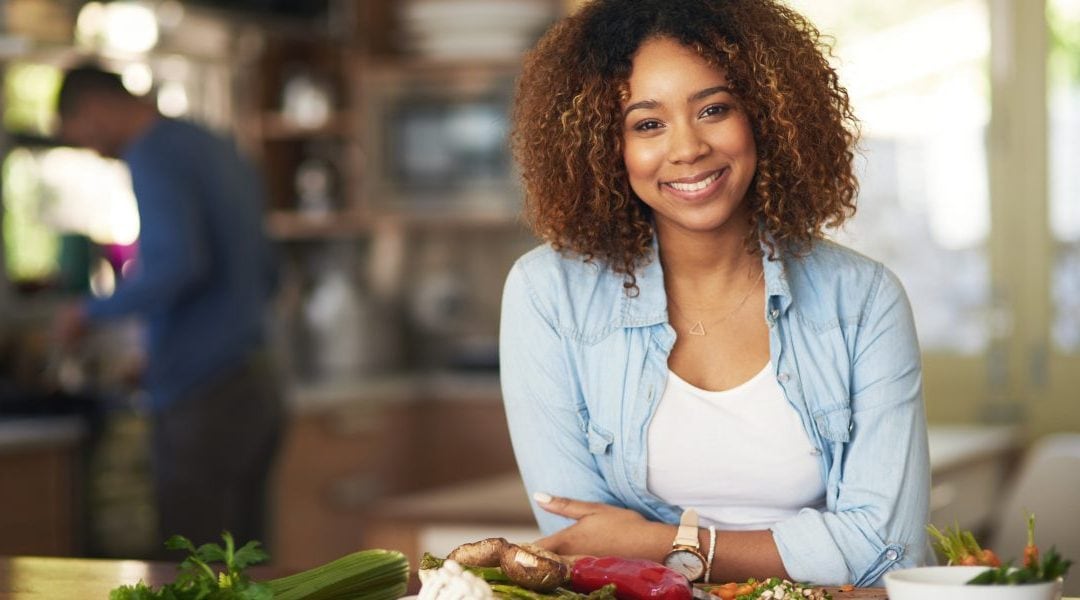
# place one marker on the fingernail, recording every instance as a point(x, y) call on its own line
point(542, 498)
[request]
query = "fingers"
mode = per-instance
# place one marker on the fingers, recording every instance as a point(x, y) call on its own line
point(567, 507)
point(549, 543)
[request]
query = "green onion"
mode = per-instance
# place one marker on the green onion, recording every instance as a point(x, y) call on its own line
point(363, 575)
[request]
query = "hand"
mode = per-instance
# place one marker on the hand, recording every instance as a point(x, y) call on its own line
point(70, 324)
point(604, 530)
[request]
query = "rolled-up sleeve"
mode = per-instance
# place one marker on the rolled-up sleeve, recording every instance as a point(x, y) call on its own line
point(544, 406)
point(882, 493)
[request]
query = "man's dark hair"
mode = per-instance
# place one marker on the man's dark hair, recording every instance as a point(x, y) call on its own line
point(87, 79)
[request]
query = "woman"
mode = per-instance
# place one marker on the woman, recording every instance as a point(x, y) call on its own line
point(687, 338)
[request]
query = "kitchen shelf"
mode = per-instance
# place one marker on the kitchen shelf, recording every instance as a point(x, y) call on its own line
point(450, 219)
point(275, 126)
point(295, 225)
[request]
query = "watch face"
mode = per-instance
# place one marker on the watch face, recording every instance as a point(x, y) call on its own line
point(685, 562)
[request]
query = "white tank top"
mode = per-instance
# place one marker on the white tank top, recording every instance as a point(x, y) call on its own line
point(741, 457)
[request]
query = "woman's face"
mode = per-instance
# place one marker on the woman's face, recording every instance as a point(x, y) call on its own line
point(687, 145)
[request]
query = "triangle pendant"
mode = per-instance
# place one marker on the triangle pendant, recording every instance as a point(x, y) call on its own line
point(697, 329)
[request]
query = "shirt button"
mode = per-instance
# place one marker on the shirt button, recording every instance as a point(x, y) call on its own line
point(774, 313)
point(783, 377)
point(892, 555)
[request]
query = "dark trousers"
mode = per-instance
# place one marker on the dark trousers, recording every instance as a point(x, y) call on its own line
point(213, 451)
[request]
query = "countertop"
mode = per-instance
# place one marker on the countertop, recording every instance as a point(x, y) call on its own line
point(34, 578)
point(23, 433)
point(391, 388)
point(38, 578)
point(953, 446)
point(51, 578)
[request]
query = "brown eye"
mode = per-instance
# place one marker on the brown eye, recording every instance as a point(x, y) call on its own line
point(648, 125)
point(715, 110)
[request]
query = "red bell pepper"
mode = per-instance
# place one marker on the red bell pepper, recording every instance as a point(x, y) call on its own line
point(634, 578)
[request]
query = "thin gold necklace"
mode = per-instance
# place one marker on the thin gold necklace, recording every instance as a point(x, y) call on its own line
point(699, 326)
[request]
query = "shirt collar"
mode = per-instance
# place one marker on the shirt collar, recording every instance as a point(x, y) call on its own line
point(649, 306)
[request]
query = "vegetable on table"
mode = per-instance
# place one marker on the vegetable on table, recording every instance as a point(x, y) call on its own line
point(366, 575)
point(772, 588)
point(634, 578)
point(452, 582)
point(528, 572)
point(1031, 551)
point(429, 564)
point(197, 580)
point(534, 568)
point(960, 548)
point(485, 553)
point(513, 592)
point(506, 589)
point(524, 565)
point(1034, 570)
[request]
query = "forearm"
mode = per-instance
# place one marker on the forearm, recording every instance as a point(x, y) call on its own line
point(608, 531)
point(143, 293)
point(738, 556)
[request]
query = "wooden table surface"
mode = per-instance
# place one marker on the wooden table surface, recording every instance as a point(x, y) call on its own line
point(37, 578)
point(74, 578)
point(856, 594)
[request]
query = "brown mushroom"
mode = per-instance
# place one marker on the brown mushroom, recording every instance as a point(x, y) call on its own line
point(485, 553)
point(534, 568)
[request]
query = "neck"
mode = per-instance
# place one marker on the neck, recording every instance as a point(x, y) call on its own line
point(697, 262)
point(138, 119)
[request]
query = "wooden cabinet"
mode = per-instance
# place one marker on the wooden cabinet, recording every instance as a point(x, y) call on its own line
point(41, 478)
point(339, 462)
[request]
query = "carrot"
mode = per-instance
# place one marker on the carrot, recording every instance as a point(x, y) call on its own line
point(1031, 551)
point(989, 558)
point(725, 592)
point(746, 588)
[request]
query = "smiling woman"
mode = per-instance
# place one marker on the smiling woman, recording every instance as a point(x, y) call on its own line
point(688, 148)
point(687, 338)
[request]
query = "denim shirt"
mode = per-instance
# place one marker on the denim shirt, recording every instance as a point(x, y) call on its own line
point(583, 366)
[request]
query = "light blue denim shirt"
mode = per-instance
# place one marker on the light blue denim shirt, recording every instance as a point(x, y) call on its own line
point(583, 366)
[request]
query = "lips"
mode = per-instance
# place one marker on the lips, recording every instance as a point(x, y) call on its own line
point(696, 185)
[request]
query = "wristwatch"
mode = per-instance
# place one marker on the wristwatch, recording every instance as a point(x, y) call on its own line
point(685, 556)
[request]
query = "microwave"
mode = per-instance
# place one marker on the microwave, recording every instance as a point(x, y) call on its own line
point(438, 140)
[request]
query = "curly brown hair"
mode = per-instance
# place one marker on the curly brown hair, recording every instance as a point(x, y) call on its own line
point(567, 124)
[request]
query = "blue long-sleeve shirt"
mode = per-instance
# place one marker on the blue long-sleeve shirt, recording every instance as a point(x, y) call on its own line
point(205, 269)
point(583, 366)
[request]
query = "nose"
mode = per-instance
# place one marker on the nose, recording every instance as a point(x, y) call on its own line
point(687, 145)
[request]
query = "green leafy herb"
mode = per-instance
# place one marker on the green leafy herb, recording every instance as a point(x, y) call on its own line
point(1033, 570)
point(1049, 568)
point(198, 580)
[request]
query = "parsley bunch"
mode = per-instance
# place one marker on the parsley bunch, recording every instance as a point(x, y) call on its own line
point(197, 580)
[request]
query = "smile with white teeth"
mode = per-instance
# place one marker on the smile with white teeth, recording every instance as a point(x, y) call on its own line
point(697, 185)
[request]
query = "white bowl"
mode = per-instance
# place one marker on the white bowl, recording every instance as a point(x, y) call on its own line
point(947, 583)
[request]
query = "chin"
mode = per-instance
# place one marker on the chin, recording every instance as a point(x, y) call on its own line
point(711, 224)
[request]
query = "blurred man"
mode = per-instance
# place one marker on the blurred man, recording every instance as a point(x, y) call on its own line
point(203, 279)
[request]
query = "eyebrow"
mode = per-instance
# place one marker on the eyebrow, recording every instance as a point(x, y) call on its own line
point(699, 95)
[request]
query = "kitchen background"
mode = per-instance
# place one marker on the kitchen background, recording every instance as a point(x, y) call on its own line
point(381, 127)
